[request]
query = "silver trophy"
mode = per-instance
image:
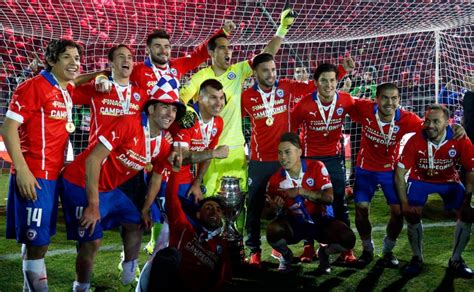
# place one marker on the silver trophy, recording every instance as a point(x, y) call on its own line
point(233, 200)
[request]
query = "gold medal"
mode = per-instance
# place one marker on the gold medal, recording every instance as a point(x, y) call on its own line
point(149, 167)
point(269, 121)
point(70, 128)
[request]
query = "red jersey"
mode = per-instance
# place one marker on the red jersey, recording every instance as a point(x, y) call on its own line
point(38, 104)
point(264, 139)
point(315, 177)
point(321, 139)
point(205, 261)
point(126, 142)
point(446, 155)
point(108, 106)
point(145, 77)
point(374, 154)
point(192, 138)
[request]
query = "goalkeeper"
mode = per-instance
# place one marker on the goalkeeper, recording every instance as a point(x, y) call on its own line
point(232, 77)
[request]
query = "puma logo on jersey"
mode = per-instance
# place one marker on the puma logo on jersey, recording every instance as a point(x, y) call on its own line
point(312, 114)
point(148, 74)
point(180, 136)
point(422, 152)
point(368, 121)
point(135, 140)
point(254, 99)
point(18, 105)
point(113, 136)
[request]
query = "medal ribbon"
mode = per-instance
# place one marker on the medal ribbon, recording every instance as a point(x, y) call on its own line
point(268, 105)
point(124, 101)
point(67, 99)
point(387, 137)
point(331, 111)
point(146, 131)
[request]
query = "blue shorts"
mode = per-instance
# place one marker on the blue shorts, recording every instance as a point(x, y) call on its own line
point(32, 222)
point(451, 193)
point(366, 182)
point(115, 208)
point(157, 209)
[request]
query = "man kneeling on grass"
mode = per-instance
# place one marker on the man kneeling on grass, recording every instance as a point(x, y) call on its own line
point(302, 191)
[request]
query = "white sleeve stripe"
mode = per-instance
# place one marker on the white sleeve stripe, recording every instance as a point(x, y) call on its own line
point(182, 143)
point(326, 186)
point(14, 116)
point(401, 165)
point(106, 143)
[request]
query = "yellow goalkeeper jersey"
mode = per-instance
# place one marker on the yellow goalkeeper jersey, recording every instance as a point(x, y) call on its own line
point(232, 80)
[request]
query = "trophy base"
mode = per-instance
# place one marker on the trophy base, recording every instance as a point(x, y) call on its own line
point(237, 254)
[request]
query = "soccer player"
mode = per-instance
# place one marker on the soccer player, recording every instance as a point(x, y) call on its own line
point(125, 99)
point(232, 77)
point(267, 103)
point(201, 141)
point(302, 190)
point(90, 183)
point(197, 258)
point(35, 132)
point(431, 156)
point(301, 74)
point(321, 115)
point(384, 124)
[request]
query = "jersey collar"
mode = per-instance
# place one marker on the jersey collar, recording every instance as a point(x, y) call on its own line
point(397, 112)
point(303, 166)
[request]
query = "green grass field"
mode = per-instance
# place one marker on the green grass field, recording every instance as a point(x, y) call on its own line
point(437, 250)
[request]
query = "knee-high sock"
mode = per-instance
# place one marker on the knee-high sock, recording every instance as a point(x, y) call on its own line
point(415, 237)
point(462, 233)
point(34, 273)
point(129, 269)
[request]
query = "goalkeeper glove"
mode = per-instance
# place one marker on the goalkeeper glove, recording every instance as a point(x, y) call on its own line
point(287, 18)
point(189, 118)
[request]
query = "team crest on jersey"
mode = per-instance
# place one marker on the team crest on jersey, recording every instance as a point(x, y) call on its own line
point(452, 153)
point(214, 132)
point(174, 72)
point(31, 234)
point(324, 171)
point(231, 76)
point(280, 93)
point(81, 231)
point(137, 96)
point(396, 129)
point(219, 249)
point(310, 182)
point(339, 111)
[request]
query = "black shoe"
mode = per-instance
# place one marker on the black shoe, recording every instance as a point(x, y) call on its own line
point(365, 258)
point(390, 261)
point(414, 267)
point(324, 265)
point(460, 269)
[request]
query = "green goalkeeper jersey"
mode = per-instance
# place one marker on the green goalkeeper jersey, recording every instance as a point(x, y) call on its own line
point(232, 80)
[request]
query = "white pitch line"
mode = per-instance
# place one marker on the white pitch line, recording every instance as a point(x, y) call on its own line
point(116, 247)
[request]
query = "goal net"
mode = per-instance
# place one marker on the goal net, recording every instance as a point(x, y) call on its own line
point(424, 46)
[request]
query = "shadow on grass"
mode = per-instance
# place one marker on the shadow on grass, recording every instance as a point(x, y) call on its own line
point(447, 284)
point(371, 279)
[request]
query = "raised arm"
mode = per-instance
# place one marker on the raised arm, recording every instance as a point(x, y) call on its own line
point(287, 18)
